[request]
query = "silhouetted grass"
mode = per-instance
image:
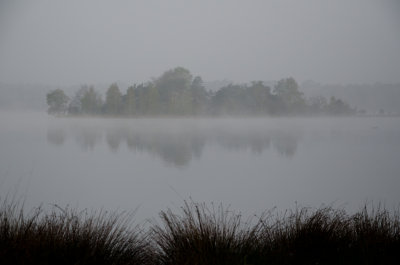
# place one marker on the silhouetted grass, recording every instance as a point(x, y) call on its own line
point(203, 236)
point(200, 234)
point(304, 236)
point(65, 236)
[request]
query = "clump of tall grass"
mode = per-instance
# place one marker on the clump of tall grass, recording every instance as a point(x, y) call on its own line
point(376, 235)
point(66, 236)
point(202, 235)
point(305, 236)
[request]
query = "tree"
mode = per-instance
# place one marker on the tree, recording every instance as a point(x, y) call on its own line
point(317, 104)
point(229, 100)
point(75, 105)
point(57, 101)
point(339, 107)
point(140, 95)
point(130, 101)
point(113, 100)
point(287, 91)
point(152, 98)
point(174, 91)
point(199, 96)
point(258, 98)
point(91, 102)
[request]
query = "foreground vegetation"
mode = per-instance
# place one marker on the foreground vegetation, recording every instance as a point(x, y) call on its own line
point(66, 236)
point(200, 234)
point(177, 93)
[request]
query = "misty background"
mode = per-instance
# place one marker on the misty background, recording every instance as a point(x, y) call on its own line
point(347, 49)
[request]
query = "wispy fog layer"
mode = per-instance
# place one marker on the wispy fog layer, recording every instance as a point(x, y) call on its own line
point(151, 88)
point(74, 42)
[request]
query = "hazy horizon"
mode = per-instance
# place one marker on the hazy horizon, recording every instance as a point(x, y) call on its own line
point(99, 42)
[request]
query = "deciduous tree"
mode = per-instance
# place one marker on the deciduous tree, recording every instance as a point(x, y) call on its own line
point(57, 101)
point(113, 105)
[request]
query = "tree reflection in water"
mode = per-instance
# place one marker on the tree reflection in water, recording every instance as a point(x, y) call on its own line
point(56, 136)
point(178, 147)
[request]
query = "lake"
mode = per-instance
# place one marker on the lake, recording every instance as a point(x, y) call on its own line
point(251, 164)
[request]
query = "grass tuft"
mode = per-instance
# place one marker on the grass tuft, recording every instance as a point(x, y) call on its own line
point(202, 235)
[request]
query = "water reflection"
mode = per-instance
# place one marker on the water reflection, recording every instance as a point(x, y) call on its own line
point(177, 147)
point(56, 136)
point(87, 138)
point(286, 143)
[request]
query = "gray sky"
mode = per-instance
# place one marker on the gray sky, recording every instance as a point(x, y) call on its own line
point(75, 41)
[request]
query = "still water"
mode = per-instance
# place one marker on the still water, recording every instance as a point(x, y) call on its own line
point(152, 164)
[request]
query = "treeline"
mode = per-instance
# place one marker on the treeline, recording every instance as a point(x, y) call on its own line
point(371, 99)
point(177, 93)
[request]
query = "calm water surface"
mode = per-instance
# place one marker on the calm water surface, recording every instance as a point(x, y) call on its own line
point(151, 164)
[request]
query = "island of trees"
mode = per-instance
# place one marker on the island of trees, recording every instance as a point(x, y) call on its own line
point(178, 93)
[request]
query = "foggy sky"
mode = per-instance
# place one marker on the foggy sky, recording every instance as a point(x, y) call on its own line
point(74, 42)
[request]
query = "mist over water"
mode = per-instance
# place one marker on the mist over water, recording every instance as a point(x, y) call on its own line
point(261, 58)
point(251, 164)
